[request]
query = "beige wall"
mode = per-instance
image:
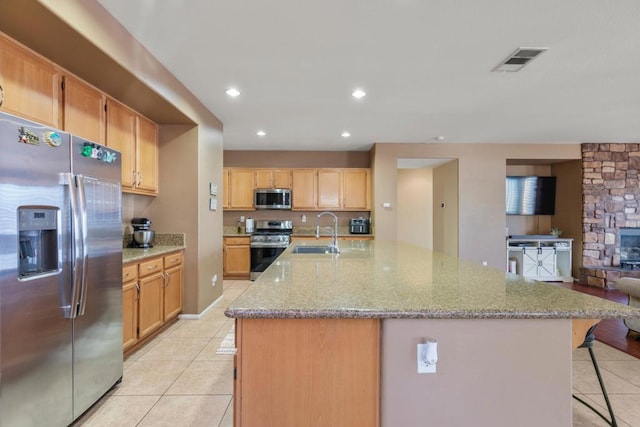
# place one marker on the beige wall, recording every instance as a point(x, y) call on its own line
point(297, 159)
point(484, 375)
point(481, 175)
point(415, 206)
point(568, 217)
point(445, 215)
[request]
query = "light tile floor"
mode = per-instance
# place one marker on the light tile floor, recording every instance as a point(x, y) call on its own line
point(179, 380)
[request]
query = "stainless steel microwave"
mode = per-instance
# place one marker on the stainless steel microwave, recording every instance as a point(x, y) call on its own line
point(277, 198)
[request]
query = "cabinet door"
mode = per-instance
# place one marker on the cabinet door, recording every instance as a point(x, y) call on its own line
point(329, 189)
point(282, 178)
point(264, 178)
point(303, 189)
point(356, 189)
point(547, 262)
point(150, 304)
point(530, 262)
point(237, 259)
point(129, 314)
point(29, 84)
point(241, 185)
point(173, 292)
point(121, 135)
point(147, 156)
point(225, 189)
point(273, 178)
point(84, 110)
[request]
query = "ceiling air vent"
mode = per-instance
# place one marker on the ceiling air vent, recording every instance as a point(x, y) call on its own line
point(518, 59)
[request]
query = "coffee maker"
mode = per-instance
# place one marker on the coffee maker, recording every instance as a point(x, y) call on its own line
point(142, 233)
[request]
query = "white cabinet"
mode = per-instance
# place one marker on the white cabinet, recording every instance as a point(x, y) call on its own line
point(539, 263)
point(540, 258)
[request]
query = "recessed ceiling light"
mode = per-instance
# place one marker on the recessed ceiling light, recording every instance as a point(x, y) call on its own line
point(261, 133)
point(358, 93)
point(233, 92)
point(345, 134)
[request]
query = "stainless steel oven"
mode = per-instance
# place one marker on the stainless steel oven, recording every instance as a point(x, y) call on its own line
point(268, 241)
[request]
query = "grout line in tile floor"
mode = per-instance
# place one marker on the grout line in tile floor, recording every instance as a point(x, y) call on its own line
point(177, 379)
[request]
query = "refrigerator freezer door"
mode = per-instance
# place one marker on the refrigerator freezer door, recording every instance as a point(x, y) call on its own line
point(35, 335)
point(98, 325)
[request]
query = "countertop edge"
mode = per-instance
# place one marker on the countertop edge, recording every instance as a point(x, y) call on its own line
point(129, 256)
point(391, 314)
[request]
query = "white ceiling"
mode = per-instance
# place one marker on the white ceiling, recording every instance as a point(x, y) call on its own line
point(425, 65)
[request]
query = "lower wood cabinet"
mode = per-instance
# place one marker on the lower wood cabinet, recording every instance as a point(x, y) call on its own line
point(130, 291)
point(307, 372)
point(152, 295)
point(237, 257)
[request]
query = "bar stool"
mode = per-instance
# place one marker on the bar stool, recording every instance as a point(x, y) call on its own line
point(588, 344)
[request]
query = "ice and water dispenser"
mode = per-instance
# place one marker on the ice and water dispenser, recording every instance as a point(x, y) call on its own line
point(38, 241)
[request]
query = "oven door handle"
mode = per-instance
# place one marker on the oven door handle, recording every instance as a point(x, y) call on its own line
point(268, 245)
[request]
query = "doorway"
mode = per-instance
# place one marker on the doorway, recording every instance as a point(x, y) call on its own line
point(428, 203)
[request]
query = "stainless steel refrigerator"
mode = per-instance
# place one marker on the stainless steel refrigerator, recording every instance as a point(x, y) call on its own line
point(60, 274)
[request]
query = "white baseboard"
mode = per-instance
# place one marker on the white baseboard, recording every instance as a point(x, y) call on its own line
point(199, 316)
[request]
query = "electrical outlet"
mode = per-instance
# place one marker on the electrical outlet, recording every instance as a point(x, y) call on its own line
point(485, 263)
point(214, 279)
point(427, 356)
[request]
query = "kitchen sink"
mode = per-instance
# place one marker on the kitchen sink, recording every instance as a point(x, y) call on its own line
point(315, 250)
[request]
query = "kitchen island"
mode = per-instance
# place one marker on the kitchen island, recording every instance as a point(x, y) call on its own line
point(331, 339)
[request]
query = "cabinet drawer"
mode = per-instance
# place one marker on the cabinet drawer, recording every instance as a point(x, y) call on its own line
point(236, 240)
point(150, 267)
point(129, 272)
point(172, 260)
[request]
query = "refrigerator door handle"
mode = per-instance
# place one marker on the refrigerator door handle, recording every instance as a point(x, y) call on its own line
point(82, 205)
point(77, 247)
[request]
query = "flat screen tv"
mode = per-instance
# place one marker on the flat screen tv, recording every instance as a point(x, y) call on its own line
point(531, 195)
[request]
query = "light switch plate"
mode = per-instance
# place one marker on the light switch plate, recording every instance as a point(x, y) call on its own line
point(213, 204)
point(213, 189)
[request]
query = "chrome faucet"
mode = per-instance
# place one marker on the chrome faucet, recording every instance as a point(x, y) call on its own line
point(335, 229)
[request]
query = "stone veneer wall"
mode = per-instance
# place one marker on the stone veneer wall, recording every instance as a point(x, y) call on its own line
point(611, 199)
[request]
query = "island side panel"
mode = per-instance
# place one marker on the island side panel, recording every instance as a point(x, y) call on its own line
point(490, 372)
point(298, 372)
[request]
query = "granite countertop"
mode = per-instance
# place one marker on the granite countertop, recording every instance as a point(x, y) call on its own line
point(382, 279)
point(162, 244)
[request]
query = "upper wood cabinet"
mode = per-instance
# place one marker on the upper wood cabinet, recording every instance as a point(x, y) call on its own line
point(29, 84)
point(121, 135)
point(136, 139)
point(356, 190)
point(147, 155)
point(311, 189)
point(273, 178)
point(225, 188)
point(331, 189)
point(36, 89)
point(83, 110)
point(304, 189)
point(241, 183)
